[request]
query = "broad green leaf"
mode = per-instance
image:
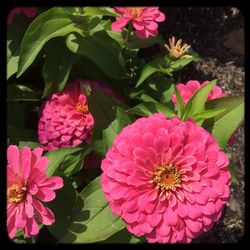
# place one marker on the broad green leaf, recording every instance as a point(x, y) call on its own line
point(157, 65)
point(92, 220)
point(52, 23)
point(223, 125)
point(123, 236)
point(20, 92)
point(149, 108)
point(196, 103)
point(179, 101)
point(141, 95)
point(209, 113)
point(62, 205)
point(122, 120)
point(102, 50)
point(58, 62)
point(181, 63)
point(103, 108)
point(15, 32)
point(103, 11)
point(58, 156)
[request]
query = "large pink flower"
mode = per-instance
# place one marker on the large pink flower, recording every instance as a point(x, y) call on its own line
point(27, 186)
point(187, 90)
point(143, 19)
point(167, 179)
point(65, 120)
point(28, 11)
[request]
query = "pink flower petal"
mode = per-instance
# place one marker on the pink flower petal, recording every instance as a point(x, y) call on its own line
point(13, 157)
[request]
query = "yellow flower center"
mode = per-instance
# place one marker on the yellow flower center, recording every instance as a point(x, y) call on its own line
point(134, 11)
point(176, 49)
point(167, 178)
point(82, 108)
point(16, 193)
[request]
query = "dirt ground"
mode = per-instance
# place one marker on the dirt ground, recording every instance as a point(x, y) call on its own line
point(217, 35)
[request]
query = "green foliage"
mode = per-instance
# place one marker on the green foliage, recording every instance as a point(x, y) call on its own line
point(52, 23)
point(61, 206)
point(58, 62)
point(103, 109)
point(149, 108)
point(21, 92)
point(179, 102)
point(15, 34)
point(21, 136)
point(122, 120)
point(196, 103)
point(136, 43)
point(124, 236)
point(223, 125)
point(66, 160)
point(232, 169)
point(102, 50)
point(177, 65)
point(91, 218)
point(103, 11)
point(157, 65)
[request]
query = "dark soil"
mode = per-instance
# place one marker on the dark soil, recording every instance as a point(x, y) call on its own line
point(217, 35)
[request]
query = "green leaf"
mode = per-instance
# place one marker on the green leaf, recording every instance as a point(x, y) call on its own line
point(179, 101)
point(58, 62)
point(102, 50)
point(181, 63)
point(223, 125)
point(103, 109)
point(196, 103)
point(62, 206)
point(92, 220)
point(209, 113)
point(232, 169)
point(20, 92)
point(123, 236)
point(15, 32)
point(136, 43)
point(157, 65)
point(30, 144)
point(149, 108)
point(122, 120)
point(72, 164)
point(141, 95)
point(103, 11)
point(52, 23)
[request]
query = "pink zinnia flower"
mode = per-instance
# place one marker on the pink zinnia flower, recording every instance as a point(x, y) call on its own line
point(65, 120)
point(28, 12)
point(27, 186)
point(143, 19)
point(167, 179)
point(187, 90)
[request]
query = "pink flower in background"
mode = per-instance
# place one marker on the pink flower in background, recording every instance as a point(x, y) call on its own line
point(27, 186)
point(167, 179)
point(143, 19)
point(28, 12)
point(65, 120)
point(187, 90)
